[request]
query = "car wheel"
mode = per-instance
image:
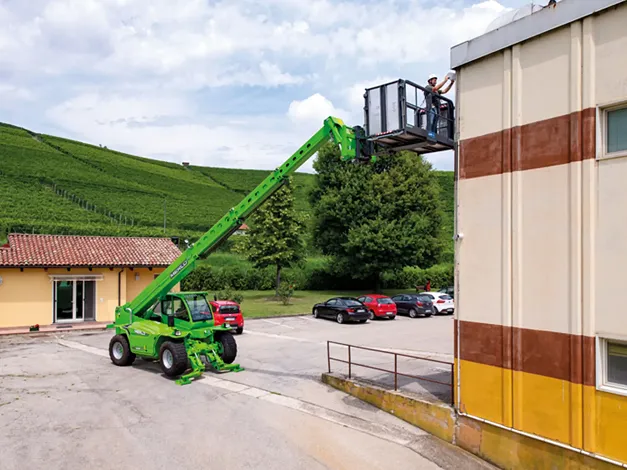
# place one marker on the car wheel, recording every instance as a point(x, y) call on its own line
point(435, 311)
point(340, 318)
point(371, 314)
point(315, 313)
point(392, 317)
point(413, 313)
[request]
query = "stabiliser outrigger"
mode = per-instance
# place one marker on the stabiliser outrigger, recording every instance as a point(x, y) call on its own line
point(177, 328)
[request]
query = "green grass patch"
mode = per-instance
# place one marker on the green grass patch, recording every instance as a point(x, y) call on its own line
point(262, 304)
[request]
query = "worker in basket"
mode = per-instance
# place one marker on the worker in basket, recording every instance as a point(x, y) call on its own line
point(432, 93)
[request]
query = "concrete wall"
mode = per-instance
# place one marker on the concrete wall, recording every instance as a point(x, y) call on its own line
point(26, 298)
point(543, 254)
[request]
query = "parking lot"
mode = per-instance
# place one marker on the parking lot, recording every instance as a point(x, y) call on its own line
point(64, 405)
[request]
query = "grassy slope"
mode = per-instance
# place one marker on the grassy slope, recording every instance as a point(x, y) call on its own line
point(54, 185)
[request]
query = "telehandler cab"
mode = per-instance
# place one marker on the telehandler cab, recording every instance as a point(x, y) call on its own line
point(177, 328)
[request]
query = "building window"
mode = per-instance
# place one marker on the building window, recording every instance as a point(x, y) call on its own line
point(613, 366)
point(613, 138)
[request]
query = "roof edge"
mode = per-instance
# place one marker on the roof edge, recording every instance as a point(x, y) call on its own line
point(535, 24)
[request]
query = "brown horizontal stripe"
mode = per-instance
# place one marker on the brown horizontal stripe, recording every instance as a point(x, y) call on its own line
point(558, 355)
point(555, 141)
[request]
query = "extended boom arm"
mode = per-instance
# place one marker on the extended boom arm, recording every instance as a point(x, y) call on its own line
point(353, 146)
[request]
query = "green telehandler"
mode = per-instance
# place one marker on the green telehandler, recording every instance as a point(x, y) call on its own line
point(177, 328)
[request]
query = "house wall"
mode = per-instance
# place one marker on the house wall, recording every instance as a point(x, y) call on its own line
point(26, 298)
point(542, 256)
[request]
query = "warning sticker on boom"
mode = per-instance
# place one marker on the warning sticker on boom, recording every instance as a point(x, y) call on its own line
point(178, 269)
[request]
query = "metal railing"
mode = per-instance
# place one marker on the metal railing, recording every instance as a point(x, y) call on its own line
point(396, 373)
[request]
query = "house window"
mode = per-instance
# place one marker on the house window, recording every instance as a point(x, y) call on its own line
point(613, 367)
point(613, 138)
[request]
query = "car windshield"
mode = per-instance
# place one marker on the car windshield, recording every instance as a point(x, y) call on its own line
point(385, 301)
point(198, 307)
point(352, 303)
point(229, 309)
point(424, 298)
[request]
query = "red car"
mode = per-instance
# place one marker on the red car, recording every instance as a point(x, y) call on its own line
point(227, 311)
point(380, 306)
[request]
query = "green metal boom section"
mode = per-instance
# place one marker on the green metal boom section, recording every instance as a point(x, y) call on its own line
point(353, 146)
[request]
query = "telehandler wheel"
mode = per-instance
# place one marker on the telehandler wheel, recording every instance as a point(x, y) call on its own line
point(120, 351)
point(173, 358)
point(229, 347)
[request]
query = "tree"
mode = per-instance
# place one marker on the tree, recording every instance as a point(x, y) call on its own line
point(376, 217)
point(274, 237)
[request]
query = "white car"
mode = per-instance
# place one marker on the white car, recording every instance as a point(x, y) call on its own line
point(442, 303)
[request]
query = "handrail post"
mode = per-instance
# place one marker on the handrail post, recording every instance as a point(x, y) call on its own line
point(349, 361)
point(395, 372)
point(329, 355)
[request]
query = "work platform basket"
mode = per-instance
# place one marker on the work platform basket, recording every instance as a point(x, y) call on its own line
point(398, 116)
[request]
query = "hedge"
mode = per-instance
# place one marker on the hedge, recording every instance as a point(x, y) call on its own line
point(310, 276)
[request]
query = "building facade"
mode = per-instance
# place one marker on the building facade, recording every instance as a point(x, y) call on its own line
point(53, 279)
point(541, 203)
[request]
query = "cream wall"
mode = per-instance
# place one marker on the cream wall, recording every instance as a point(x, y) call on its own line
point(26, 298)
point(548, 242)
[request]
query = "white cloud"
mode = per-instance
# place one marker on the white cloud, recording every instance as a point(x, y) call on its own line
point(315, 108)
point(130, 72)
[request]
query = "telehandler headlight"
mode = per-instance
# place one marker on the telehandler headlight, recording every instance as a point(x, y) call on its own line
point(177, 333)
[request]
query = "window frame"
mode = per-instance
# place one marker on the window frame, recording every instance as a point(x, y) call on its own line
point(602, 130)
point(602, 384)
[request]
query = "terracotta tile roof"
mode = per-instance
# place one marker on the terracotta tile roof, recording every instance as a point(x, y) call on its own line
point(75, 250)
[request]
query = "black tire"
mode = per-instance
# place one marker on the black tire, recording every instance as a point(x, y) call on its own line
point(173, 358)
point(229, 347)
point(413, 313)
point(392, 317)
point(340, 318)
point(120, 351)
point(435, 311)
point(363, 321)
point(371, 315)
point(239, 330)
point(315, 313)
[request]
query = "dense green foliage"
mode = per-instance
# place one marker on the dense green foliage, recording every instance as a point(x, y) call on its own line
point(54, 185)
point(221, 270)
point(378, 217)
point(275, 236)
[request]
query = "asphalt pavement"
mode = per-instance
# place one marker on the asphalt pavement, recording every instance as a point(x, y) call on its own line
point(64, 405)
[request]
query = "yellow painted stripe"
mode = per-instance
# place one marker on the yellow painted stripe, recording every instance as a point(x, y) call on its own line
point(574, 414)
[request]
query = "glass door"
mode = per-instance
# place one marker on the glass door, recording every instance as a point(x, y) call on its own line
point(71, 301)
point(64, 301)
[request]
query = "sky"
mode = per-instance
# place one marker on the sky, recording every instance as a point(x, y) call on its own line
point(237, 84)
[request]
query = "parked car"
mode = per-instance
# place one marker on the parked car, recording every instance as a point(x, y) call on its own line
point(342, 309)
point(413, 305)
point(450, 290)
point(380, 306)
point(227, 311)
point(442, 303)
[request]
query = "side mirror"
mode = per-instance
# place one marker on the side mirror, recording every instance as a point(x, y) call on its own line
point(170, 320)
